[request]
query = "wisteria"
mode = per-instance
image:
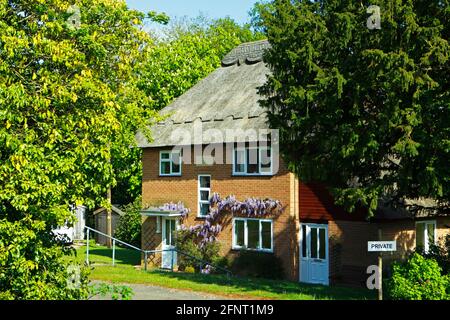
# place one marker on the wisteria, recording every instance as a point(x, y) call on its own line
point(251, 207)
point(175, 207)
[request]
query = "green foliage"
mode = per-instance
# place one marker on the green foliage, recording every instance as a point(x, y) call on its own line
point(69, 103)
point(440, 253)
point(32, 266)
point(187, 242)
point(115, 291)
point(189, 52)
point(189, 269)
point(129, 227)
point(365, 111)
point(418, 279)
point(257, 265)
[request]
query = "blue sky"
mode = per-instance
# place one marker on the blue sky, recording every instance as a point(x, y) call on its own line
point(236, 9)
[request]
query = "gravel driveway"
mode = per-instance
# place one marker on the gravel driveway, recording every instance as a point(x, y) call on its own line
point(146, 292)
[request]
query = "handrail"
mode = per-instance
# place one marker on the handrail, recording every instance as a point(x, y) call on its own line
point(117, 240)
point(146, 252)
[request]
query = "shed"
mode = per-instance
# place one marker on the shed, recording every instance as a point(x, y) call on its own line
point(100, 216)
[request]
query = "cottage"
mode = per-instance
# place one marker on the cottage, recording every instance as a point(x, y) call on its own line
point(223, 145)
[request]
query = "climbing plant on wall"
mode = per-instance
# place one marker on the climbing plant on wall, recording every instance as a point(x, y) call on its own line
point(251, 207)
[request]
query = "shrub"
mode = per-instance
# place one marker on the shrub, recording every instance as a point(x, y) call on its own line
point(189, 269)
point(440, 253)
point(129, 226)
point(418, 278)
point(187, 242)
point(257, 264)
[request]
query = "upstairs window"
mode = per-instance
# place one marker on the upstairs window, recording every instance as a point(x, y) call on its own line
point(425, 235)
point(170, 163)
point(252, 161)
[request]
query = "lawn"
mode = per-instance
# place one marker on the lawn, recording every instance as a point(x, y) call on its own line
point(247, 288)
point(100, 255)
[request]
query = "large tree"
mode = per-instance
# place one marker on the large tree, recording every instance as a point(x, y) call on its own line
point(69, 99)
point(365, 110)
point(182, 54)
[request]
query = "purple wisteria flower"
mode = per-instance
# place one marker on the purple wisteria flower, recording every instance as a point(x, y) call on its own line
point(177, 207)
point(252, 207)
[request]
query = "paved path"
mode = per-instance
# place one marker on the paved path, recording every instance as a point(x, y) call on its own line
point(146, 292)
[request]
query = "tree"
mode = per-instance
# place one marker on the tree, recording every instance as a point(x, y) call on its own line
point(187, 52)
point(69, 99)
point(129, 226)
point(364, 110)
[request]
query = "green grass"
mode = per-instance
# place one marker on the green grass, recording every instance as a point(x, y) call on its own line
point(100, 255)
point(246, 288)
point(235, 287)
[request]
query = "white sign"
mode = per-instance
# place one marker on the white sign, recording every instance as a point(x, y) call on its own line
point(378, 246)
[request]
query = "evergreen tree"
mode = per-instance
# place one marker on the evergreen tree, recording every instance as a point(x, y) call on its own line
point(365, 110)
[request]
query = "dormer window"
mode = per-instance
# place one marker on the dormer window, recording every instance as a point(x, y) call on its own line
point(170, 163)
point(252, 161)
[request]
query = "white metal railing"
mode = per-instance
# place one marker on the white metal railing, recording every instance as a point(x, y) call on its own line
point(145, 252)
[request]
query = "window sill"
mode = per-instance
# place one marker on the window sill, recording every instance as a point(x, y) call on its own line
point(252, 175)
point(252, 250)
point(170, 175)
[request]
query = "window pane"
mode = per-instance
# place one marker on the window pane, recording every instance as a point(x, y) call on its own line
point(304, 241)
point(204, 209)
point(266, 235)
point(420, 236)
point(239, 232)
point(205, 182)
point(266, 160)
point(167, 231)
point(253, 234)
point(313, 242)
point(165, 155)
point(204, 195)
point(430, 228)
point(172, 232)
point(252, 161)
point(176, 163)
point(322, 244)
point(239, 158)
point(165, 167)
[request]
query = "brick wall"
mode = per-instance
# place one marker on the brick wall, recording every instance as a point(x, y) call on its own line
point(348, 237)
point(404, 232)
point(349, 258)
point(157, 190)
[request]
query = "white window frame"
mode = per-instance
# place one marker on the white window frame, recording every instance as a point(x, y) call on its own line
point(245, 247)
point(426, 247)
point(170, 160)
point(200, 189)
point(245, 173)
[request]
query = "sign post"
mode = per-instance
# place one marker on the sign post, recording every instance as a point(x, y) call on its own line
point(381, 246)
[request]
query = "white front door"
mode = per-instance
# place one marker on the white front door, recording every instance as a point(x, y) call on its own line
point(169, 258)
point(314, 253)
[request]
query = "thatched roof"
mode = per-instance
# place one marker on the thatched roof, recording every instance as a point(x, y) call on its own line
point(226, 99)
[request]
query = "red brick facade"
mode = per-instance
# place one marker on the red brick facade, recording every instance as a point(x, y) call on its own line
point(348, 233)
point(157, 190)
